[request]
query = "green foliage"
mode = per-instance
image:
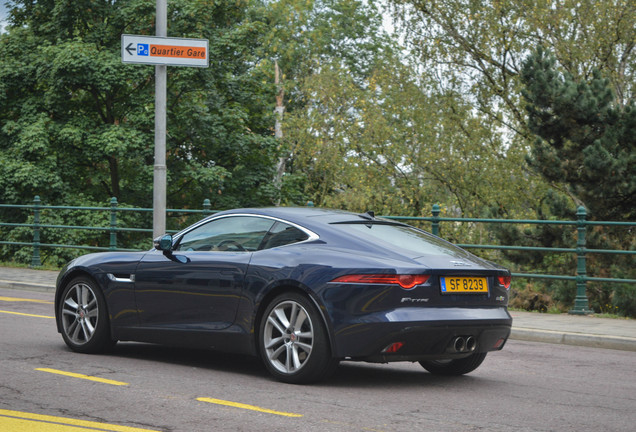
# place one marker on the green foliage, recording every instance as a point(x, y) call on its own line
point(75, 119)
point(397, 145)
point(585, 141)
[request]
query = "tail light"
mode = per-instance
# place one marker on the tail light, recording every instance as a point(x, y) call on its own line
point(505, 281)
point(405, 281)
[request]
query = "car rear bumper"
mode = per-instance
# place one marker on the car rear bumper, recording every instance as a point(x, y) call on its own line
point(412, 334)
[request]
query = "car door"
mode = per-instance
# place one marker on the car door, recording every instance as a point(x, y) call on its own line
point(198, 285)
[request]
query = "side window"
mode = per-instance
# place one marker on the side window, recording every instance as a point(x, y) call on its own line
point(283, 234)
point(232, 233)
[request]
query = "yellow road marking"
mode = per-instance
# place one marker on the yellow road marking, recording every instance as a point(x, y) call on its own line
point(25, 314)
point(23, 421)
point(86, 377)
point(247, 407)
point(16, 299)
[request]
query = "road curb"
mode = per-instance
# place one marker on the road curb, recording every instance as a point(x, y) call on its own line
point(26, 286)
point(576, 339)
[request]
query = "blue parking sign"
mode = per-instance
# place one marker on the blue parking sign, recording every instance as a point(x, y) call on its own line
point(142, 49)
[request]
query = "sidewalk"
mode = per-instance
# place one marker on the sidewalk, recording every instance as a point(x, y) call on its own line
point(589, 331)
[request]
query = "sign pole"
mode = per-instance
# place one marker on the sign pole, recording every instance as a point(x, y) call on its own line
point(162, 51)
point(159, 181)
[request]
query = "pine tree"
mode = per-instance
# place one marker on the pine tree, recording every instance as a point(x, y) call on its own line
point(585, 140)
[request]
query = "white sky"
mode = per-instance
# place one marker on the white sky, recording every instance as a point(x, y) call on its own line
point(3, 14)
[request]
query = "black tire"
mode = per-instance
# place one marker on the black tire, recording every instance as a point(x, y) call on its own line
point(454, 367)
point(293, 342)
point(83, 317)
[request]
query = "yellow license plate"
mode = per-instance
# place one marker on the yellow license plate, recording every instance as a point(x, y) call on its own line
point(470, 285)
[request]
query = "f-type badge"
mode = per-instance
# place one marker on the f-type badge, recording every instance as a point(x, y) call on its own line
point(413, 300)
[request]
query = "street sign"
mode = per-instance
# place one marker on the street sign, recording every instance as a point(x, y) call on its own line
point(164, 51)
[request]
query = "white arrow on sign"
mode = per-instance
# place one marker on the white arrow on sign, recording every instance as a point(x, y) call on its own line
point(164, 51)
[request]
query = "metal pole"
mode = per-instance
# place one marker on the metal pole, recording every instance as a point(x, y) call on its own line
point(35, 259)
point(113, 223)
point(581, 305)
point(435, 222)
point(159, 194)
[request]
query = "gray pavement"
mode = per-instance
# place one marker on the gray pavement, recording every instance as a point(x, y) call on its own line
point(590, 331)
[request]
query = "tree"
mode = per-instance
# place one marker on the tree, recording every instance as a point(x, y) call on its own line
point(78, 122)
point(306, 38)
point(585, 139)
point(480, 47)
point(76, 125)
point(483, 44)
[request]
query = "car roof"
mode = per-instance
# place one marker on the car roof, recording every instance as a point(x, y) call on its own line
point(302, 215)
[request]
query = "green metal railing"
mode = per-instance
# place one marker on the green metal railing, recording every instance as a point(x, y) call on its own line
point(112, 229)
point(581, 305)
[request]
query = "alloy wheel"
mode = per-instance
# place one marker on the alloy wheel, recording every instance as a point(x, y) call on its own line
point(80, 313)
point(288, 337)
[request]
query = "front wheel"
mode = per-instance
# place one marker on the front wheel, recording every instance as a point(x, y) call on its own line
point(83, 317)
point(454, 367)
point(293, 341)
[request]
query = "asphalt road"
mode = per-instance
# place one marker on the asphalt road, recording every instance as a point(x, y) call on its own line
point(528, 386)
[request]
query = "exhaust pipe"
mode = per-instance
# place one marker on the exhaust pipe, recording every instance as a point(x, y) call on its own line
point(463, 344)
point(471, 344)
point(459, 344)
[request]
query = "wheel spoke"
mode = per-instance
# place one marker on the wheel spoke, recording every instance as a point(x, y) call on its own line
point(274, 342)
point(288, 358)
point(296, 359)
point(299, 319)
point(85, 296)
point(92, 304)
point(72, 326)
point(292, 317)
point(76, 332)
point(304, 346)
point(282, 318)
point(69, 312)
point(71, 303)
point(78, 294)
point(305, 335)
point(87, 328)
point(276, 353)
point(272, 320)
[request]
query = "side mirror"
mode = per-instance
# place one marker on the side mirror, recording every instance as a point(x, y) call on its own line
point(163, 243)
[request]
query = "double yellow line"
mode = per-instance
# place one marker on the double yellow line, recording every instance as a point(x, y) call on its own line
point(23, 421)
point(15, 299)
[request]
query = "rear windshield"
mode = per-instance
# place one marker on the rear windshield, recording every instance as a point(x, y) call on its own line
point(405, 239)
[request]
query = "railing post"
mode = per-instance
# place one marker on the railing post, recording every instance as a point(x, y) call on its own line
point(206, 207)
point(435, 227)
point(113, 223)
point(581, 306)
point(35, 259)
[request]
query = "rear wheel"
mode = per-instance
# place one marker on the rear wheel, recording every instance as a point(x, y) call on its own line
point(83, 317)
point(293, 341)
point(454, 367)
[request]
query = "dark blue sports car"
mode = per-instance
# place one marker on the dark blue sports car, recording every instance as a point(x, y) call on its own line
point(302, 288)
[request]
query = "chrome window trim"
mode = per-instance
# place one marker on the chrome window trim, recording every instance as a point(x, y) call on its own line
point(312, 236)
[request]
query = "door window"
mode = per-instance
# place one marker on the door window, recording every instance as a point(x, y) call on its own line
point(233, 233)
